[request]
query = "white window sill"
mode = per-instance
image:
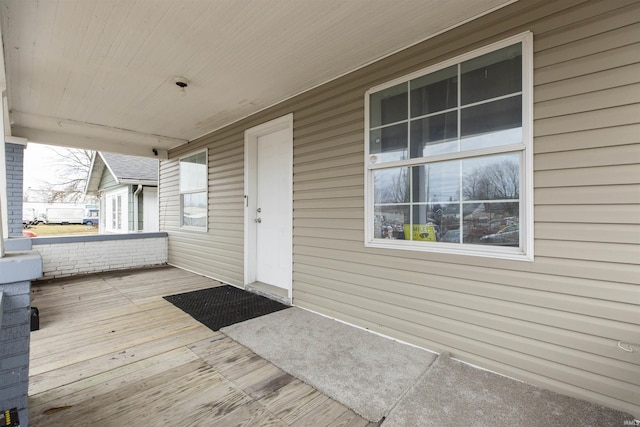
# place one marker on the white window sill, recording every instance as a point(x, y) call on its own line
point(193, 229)
point(500, 252)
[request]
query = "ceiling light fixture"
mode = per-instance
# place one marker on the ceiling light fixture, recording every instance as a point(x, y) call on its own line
point(182, 83)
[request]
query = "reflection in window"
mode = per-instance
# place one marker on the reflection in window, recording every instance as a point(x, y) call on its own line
point(434, 92)
point(472, 105)
point(456, 137)
point(389, 143)
point(194, 209)
point(491, 224)
point(193, 191)
point(436, 182)
point(476, 197)
point(434, 135)
point(390, 222)
point(389, 106)
point(492, 75)
point(491, 118)
point(391, 186)
point(491, 178)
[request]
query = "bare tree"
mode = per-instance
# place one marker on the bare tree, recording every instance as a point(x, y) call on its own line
point(72, 171)
point(392, 186)
point(494, 181)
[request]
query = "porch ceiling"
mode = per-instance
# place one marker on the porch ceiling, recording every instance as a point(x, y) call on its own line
point(100, 74)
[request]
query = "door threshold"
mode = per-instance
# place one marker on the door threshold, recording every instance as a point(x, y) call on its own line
point(269, 291)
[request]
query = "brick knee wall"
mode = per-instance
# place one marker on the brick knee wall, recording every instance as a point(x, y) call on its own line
point(83, 257)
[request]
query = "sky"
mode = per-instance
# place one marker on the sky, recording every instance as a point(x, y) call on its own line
point(39, 165)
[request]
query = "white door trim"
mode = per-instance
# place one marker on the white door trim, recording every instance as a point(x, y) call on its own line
point(250, 187)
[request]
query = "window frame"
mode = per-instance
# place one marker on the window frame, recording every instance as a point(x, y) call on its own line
point(182, 226)
point(524, 252)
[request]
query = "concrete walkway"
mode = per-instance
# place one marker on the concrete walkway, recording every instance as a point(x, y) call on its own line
point(399, 385)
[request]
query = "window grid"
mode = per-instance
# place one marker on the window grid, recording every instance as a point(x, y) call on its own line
point(483, 152)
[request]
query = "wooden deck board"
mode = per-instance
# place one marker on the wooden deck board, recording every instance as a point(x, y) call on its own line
point(111, 351)
point(75, 393)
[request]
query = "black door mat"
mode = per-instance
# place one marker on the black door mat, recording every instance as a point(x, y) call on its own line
point(224, 305)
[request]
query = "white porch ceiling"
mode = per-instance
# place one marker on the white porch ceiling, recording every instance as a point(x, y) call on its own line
point(99, 74)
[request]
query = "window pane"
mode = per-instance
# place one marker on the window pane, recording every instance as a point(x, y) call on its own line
point(193, 172)
point(436, 182)
point(451, 234)
point(114, 213)
point(491, 178)
point(488, 76)
point(443, 188)
point(119, 214)
point(447, 218)
point(389, 143)
point(434, 92)
point(434, 135)
point(194, 209)
point(390, 222)
point(492, 223)
point(425, 226)
point(391, 185)
point(491, 124)
point(388, 105)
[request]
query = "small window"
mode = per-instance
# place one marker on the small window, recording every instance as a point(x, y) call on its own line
point(193, 191)
point(448, 156)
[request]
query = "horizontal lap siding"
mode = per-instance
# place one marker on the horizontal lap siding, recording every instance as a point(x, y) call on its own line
point(219, 252)
point(554, 322)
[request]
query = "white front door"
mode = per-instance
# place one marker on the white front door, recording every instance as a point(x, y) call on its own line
point(269, 209)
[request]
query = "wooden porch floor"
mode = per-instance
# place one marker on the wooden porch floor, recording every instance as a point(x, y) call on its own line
point(111, 352)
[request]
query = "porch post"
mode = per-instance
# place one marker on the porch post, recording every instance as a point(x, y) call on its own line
point(1, 234)
point(4, 127)
point(4, 225)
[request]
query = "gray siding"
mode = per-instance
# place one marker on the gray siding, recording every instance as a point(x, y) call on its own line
point(554, 322)
point(107, 181)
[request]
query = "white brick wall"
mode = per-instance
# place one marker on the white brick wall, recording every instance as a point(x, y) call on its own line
point(70, 258)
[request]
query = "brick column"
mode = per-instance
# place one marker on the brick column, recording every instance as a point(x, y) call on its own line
point(17, 269)
point(14, 155)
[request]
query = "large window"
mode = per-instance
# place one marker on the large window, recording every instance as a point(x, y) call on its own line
point(448, 157)
point(193, 191)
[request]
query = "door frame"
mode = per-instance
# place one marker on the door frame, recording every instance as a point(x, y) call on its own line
point(250, 193)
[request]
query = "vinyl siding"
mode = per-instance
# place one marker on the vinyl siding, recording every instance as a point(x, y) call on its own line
point(107, 181)
point(554, 322)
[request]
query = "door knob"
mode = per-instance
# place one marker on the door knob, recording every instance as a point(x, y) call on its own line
point(258, 220)
point(259, 210)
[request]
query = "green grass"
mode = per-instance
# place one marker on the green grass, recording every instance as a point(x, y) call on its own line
point(62, 230)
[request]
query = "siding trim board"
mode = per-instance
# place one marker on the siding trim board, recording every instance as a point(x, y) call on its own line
point(554, 322)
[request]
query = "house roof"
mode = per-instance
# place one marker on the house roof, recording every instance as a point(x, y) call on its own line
point(124, 169)
point(102, 75)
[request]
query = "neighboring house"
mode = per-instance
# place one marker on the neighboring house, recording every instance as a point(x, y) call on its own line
point(476, 192)
point(127, 188)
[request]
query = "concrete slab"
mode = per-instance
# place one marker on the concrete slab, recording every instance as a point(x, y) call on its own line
point(452, 393)
point(364, 371)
